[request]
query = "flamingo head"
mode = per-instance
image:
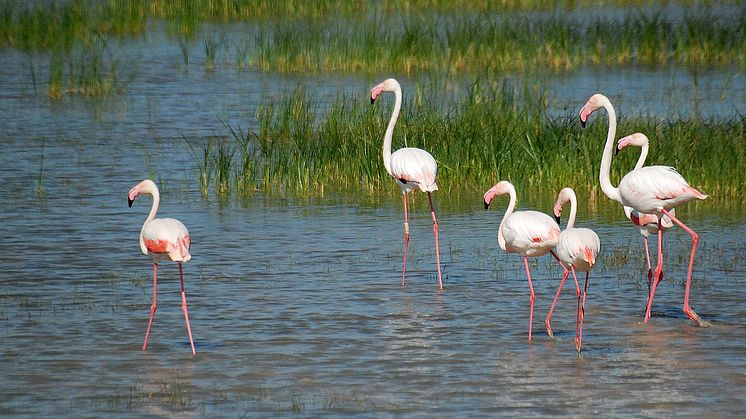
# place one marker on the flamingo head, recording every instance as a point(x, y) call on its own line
point(388, 85)
point(147, 186)
point(501, 188)
point(564, 197)
point(596, 101)
point(637, 139)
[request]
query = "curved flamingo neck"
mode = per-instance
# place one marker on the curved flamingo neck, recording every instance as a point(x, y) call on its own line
point(390, 130)
point(610, 190)
point(508, 213)
point(154, 207)
point(573, 211)
point(643, 156)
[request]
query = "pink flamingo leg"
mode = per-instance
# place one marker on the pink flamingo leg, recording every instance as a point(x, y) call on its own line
point(581, 315)
point(695, 240)
point(556, 297)
point(532, 299)
point(406, 237)
point(658, 275)
point(184, 309)
point(153, 306)
point(559, 291)
point(647, 258)
point(435, 232)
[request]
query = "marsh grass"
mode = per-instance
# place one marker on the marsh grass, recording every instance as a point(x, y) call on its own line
point(404, 37)
point(40, 191)
point(87, 71)
point(212, 46)
point(491, 44)
point(203, 161)
point(494, 132)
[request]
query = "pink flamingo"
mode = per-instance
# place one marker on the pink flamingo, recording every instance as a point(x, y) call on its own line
point(413, 168)
point(578, 249)
point(162, 238)
point(650, 189)
point(528, 233)
point(647, 223)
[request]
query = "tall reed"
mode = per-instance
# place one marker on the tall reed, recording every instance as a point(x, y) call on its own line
point(496, 131)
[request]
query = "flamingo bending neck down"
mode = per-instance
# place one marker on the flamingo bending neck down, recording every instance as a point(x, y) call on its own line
point(527, 233)
point(650, 189)
point(413, 168)
point(577, 248)
point(162, 238)
point(647, 223)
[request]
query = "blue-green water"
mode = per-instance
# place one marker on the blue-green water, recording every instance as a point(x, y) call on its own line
point(296, 305)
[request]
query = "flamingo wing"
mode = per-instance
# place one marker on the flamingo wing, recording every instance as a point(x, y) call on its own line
point(530, 232)
point(416, 166)
point(166, 236)
point(651, 188)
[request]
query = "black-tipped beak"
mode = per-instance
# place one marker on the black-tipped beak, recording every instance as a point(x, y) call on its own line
point(582, 123)
point(130, 201)
point(616, 153)
point(557, 219)
point(486, 205)
point(372, 100)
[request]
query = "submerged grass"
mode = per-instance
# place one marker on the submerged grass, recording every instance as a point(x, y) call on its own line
point(489, 43)
point(83, 71)
point(494, 132)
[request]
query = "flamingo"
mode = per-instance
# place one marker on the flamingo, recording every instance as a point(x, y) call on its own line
point(162, 238)
point(647, 223)
point(412, 168)
point(527, 233)
point(578, 249)
point(650, 189)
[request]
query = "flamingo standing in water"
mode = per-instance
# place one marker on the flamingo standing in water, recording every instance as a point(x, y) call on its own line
point(650, 189)
point(413, 168)
point(647, 223)
point(578, 249)
point(528, 233)
point(162, 238)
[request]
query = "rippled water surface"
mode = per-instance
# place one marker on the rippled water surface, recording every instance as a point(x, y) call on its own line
point(296, 306)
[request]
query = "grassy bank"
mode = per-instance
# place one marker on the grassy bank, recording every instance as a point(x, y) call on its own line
point(494, 132)
point(465, 35)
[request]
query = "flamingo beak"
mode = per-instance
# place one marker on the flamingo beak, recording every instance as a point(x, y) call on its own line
point(130, 201)
point(372, 100)
point(616, 153)
point(557, 219)
point(585, 111)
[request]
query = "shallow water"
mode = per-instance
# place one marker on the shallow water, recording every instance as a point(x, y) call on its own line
point(297, 307)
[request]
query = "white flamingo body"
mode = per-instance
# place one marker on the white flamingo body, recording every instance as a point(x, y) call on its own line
point(648, 223)
point(166, 237)
point(413, 168)
point(527, 233)
point(162, 238)
point(578, 249)
point(652, 189)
